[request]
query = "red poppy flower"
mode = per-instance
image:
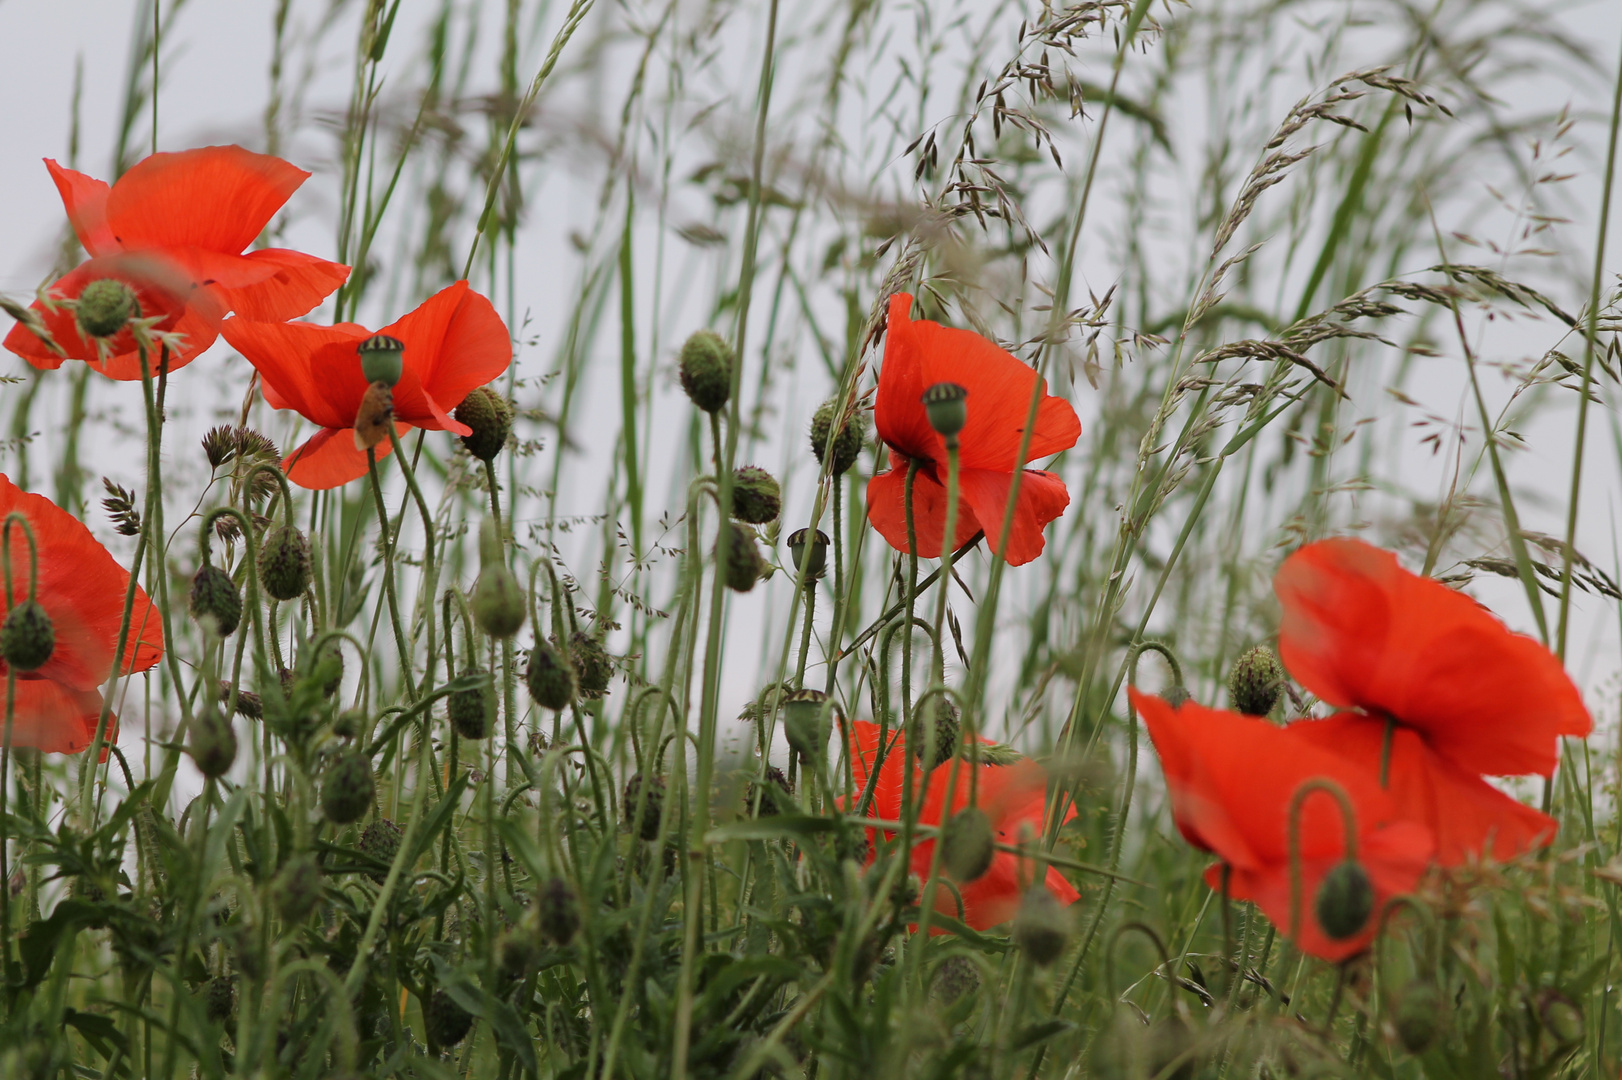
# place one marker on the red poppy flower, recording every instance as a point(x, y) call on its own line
point(1011, 795)
point(454, 343)
point(82, 589)
point(918, 355)
point(1232, 779)
point(189, 216)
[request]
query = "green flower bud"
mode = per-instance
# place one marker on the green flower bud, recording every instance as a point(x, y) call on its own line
point(296, 890)
point(847, 444)
point(774, 794)
point(811, 550)
point(942, 712)
point(967, 845)
point(284, 562)
point(954, 977)
point(518, 950)
point(325, 664)
point(27, 637)
point(498, 601)
point(557, 911)
point(743, 564)
point(490, 415)
point(756, 498)
point(1041, 926)
point(1561, 1018)
point(220, 999)
point(550, 677)
point(382, 359)
point(1345, 900)
point(216, 603)
point(105, 307)
point(1256, 682)
point(470, 711)
point(593, 667)
point(807, 715)
point(212, 742)
point(645, 824)
point(346, 792)
point(1176, 696)
point(349, 724)
point(946, 404)
point(1417, 1016)
point(706, 370)
point(380, 842)
point(447, 1022)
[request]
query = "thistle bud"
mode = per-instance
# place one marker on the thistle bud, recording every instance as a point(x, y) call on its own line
point(1561, 1018)
point(374, 420)
point(1417, 1016)
point(810, 551)
point(470, 710)
point(773, 794)
point(1345, 900)
point(557, 911)
point(27, 637)
point(645, 824)
point(220, 999)
point(967, 846)
point(216, 603)
point(946, 404)
point(498, 598)
point(490, 415)
point(550, 677)
point(212, 742)
point(447, 1022)
point(593, 667)
point(846, 445)
point(284, 562)
point(954, 977)
point(382, 359)
point(380, 842)
point(346, 793)
point(1256, 682)
point(941, 713)
point(806, 717)
point(296, 890)
point(756, 497)
point(105, 306)
point(706, 370)
point(743, 565)
point(1041, 926)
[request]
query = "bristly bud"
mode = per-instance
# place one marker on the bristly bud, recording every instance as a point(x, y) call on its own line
point(1417, 1016)
point(490, 415)
point(807, 718)
point(967, 845)
point(1041, 927)
point(284, 562)
point(1256, 682)
point(593, 667)
point(811, 550)
point(470, 710)
point(346, 793)
point(1176, 696)
point(774, 794)
point(557, 911)
point(27, 637)
point(380, 842)
point(518, 951)
point(325, 663)
point(105, 307)
point(374, 420)
point(550, 676)
point(946, 404)
point(349, 724)
point(220, 999)
point(955, 977)
point(847, 444)
point(296, 890)
point(216, 602)
point(1345, 900)
point(498, 599)
point(645, 825)
point(382, 359)
point(447, 1022)
point(756, 497)
point(946, 727)
point(706, 370)
point(212, 742)
point(742, 564)
point(1561, 1018)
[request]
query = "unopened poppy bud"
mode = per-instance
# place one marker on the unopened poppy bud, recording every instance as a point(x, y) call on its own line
point(325, 663)
point(941, 714)
point(1417, 1016)
point(470, 710)
point(967, 846)
point(1041, 926)
point(447, 1022)
point(1561, 1018)
point(220, 999)
point(498, 598)
point(1256, 682)
point(216, 603)
point(706, 370)
point(346, 793)
point(212, 742)
point(809, 550)
point(349, 724)
point(743, 564)
point(646, 823)
point(772, 794)
point(382, 359)
point(297, 889)
point(105, 307)
point(756, 498)
point(490, 415)
point(846, 445)
point(550, 677)
point(250, 706)
point(593, 667)
point(1345, 900)
point(380, 842)
point(557, 911)
point(955, 977)
point(518, 950)
point(806, 716)
point(27, 637)
point(1176, 696)
point(946, 404)
point(284, 562)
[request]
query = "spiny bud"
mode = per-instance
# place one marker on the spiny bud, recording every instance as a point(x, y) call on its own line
point(27, 637)
point(284, 562)
point(1345, 900)
point(954, 977)
point(645, 824)
point(1041, 927)
point(105, 307)
point(216, 602)
point(967, 846)
point(447, 1022)
point(490, 415)
point(946, 404)
point(847, 444)
point(941, 714)
point(1561, 1018)
point(743, 565)
point(349, 724)
point(706, 370)
point(557, 911)
point(498, 598)
point(550, 676)
point(470, 710)
point(756, 498)
point(593, 667)
point(297, 889)
point(809, 550)
point(380, 842)
point(1417, 1016)
point(220, 998)
point(773, 794)
point(382, 359)
point(346, 793)
point(806, 718)
point(212, 742)
point(1256, 682)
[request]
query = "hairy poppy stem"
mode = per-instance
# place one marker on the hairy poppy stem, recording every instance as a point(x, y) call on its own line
point(389, 592)
point(1348, 818)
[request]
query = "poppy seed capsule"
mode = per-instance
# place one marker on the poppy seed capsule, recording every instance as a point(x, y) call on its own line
point(470, 710)
point(1256, 682)
point(744, 565)
point(284, 562)
point(809, 551)
point(297, 889)
point(1417, 1016)
point(382, 359)
point(593, 667)
point(215, 601)
point(105, 307)
point(967, 846)
point(756, 497)
point(946, 404)
point(557, 911)
point(647, 824)
point(550, 677)
point(847, 444)
point(1041, 927)
point(380, 842)
point(706, 370)
point(447, 1022)
point(490, 415)
point(212, 742)
point(806, 716)
point(1345, 900)
point(27, 637)
point(346, 793)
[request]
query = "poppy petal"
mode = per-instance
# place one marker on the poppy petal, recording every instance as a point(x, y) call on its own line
point(1361, 632)
point(887, 509)
point(1042, 498)
point(53, 719)
point(219, 198)
point(85, 199)
point(313, 370)
point(454, 343)
point(270, 285)
point(330, 459)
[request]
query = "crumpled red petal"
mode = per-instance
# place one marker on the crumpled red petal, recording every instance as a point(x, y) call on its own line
point(219, 198)
point(887, 509)
point(330, 459)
